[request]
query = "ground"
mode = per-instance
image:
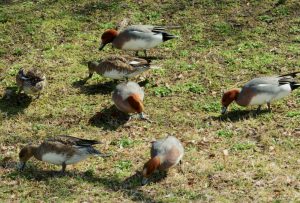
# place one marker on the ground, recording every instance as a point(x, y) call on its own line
point(221, 45)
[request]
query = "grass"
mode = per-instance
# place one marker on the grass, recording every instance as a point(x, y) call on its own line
point(221, 45)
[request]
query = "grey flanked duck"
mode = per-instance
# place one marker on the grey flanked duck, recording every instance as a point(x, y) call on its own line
point(128, 97)
point(263, 90)
point(60, 150)
point(137, 37)
point(165, 153)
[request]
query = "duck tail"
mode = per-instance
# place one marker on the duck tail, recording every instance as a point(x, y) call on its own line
point(167, 36)
point(21, 74)
point(173, 27)
point(93, 151)
point(294, 86)
point(293, 74)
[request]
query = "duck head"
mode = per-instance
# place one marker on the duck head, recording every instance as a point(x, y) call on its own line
point(107, 37)
point(136, 103)
point(149, 168)
point(228, 98)
point(25, 154)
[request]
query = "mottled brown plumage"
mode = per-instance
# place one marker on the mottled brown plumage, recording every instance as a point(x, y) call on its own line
point(32, 82)
point(118, 67)
point(60, 150)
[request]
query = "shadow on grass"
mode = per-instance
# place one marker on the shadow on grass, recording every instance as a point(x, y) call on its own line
point(109, 119)
point(130, 186)
point(234, 116)
point(102, 88)
point(11, 104)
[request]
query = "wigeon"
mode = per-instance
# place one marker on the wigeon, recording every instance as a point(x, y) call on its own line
point(32, 82)
point(61, 150)
point(260, 91)
point(128, 98)
point(136, 37)
point(165, 153)
point(118, 67)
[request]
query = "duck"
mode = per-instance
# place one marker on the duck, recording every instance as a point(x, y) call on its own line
point(32, 82)
point(128, 97)
point(118, 67)
point(59, 150)
point(165, 153)
point(262, 90)
point(137, 37)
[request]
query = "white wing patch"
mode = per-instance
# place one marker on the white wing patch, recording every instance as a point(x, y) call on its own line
point(263, 85)
point(134, 62)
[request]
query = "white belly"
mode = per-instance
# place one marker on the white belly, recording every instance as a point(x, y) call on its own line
point(141, 44)
point(114, 74)
point(58, 159)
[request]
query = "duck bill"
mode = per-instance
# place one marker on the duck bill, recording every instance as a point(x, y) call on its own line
point(101, 46)
point(224, 110)
point(21, 166)
point(144, 181)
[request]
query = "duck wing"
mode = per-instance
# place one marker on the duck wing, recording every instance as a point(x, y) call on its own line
point(73, 141)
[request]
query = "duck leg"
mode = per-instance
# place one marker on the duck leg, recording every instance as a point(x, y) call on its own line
point(258, 109)
point(38, 96)
point(83, 81)
point(269, 106)
point(144, 117)
point(63, 170)
point(19, 96)
point(181, 167)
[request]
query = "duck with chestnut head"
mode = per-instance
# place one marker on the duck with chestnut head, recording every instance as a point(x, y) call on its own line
point(137, 37)
point(165, 154)
point(259, 91)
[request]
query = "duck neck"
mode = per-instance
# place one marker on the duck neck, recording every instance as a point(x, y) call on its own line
point(34, 151)
point(151, 166)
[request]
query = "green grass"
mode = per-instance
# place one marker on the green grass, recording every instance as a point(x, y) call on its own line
point(221, 45)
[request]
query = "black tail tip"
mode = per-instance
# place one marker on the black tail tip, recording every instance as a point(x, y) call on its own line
point(167, 36)
point(295, 86)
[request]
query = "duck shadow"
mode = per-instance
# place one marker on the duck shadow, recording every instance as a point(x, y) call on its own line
point(8, 163)
point(150, 58)
point(109, 118)
point(238, 115)
point(42, 175)
point(129, 187)
point(157, 177)
point(12, 104)
point(102, 88)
